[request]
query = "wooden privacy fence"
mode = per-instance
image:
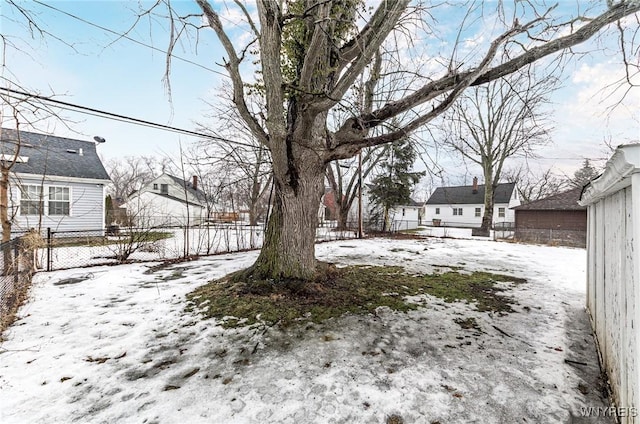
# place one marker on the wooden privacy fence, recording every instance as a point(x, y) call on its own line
point(613, 275)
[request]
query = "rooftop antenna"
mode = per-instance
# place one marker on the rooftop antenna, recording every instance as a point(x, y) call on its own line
point(99, 139)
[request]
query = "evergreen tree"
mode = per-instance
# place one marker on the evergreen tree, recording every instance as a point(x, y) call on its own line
point(583, 175)
point(393, 186)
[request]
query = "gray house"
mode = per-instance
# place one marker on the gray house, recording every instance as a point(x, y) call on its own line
point(56, 182)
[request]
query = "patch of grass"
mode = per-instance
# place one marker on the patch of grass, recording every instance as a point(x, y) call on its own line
point(337, 291)
point(476, 287)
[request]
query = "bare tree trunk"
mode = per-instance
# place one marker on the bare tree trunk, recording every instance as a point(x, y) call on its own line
point(289, 242)
point(489, 186)
point(4, 217)
point(4, 204)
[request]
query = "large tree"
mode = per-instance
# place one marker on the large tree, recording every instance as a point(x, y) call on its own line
point(312, 52)
point(496, 121)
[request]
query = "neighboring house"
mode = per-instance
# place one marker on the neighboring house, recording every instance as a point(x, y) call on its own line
point(407, 217)
point(463, 206)
point(555, 219)
point(167, 201)
point(613, 274)
point(56, 183)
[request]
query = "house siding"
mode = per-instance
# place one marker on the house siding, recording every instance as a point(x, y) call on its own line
point(153, 210)
point(468, 218)
point(86, 206)
point(409, 221)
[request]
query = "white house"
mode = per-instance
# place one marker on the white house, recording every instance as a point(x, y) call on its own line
point(463, 206)
point(167, 201)
point(56, 182)
point(407, 217)
point(613, 274)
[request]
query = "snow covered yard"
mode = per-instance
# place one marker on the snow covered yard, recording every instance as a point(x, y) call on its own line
point(115, 344)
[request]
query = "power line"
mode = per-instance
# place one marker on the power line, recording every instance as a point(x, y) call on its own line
point(125, 36)
point(118, 117)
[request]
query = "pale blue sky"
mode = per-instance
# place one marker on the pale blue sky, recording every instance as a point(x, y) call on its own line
point(122, 77)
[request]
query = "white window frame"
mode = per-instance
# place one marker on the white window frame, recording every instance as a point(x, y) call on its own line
point(40, 200)
point(457, 211)
point(478, 212)
point(44, 199)
point(437, 211)
point(502, 212)
point(49, 200)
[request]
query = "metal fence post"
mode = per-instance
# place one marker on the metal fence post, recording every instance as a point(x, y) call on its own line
point(16, 262)
point(49, 256)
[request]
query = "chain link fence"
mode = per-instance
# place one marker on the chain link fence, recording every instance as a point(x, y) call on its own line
point(572, 238)
point(72, 249)
point(17, 265)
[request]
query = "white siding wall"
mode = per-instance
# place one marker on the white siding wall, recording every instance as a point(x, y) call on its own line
point(86, 209)
point(174, 189)
point(613, 276)
point(407, 221)
point(151, 210)
point(468, 217)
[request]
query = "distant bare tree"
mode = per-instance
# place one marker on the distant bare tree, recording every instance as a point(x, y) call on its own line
point(247, 161)
point(130, 173)
point(534, 186)
point(497, 121)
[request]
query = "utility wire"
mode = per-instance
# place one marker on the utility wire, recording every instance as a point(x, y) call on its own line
point(118, 117)
point(133, 40)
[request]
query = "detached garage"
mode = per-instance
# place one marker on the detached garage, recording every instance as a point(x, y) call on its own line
point(557, 219)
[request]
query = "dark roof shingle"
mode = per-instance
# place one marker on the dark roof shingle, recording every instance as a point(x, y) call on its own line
point(567, 200)
point(53, 156)
point(464, 195)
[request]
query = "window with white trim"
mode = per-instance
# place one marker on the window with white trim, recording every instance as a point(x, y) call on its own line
point(31, 201)
point(478, 211)
point(457, 211)
point(59, 201)
point(501, 212)
point(437, 211)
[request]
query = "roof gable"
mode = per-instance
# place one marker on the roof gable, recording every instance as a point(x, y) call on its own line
point(53, 156)
point(197, 193)
point(465, 195)
point(567, 200)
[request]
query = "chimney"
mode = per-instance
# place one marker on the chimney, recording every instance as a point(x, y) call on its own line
point(475, 185)
point(195, 182)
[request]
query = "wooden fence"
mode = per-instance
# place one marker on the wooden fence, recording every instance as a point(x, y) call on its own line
point(613, 275)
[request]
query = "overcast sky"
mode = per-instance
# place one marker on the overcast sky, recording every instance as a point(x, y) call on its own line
point(95, 68)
